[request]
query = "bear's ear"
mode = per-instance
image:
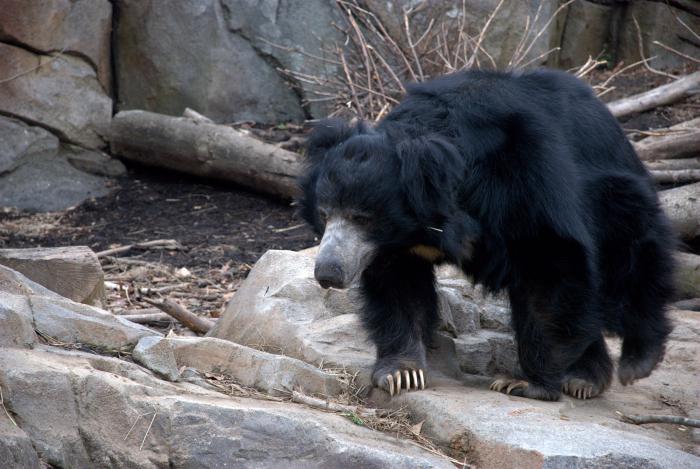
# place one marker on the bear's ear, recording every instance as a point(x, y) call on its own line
point(431, 169)
point(328, 133)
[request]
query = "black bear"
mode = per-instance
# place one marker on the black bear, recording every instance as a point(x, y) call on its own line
point(527, 183)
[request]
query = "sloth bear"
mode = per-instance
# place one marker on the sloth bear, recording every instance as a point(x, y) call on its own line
point(528, 184)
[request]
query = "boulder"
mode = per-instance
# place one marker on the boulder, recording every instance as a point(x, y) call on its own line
point(21, 142)
point(658, 21)
point(40, 174)
point(27, 306)
point(49, 183)
point(215, 71)
point(105, 412)
point(585, 32)
point(16, 448)
point(61, 92)
point(78, 27)
point(73, 272)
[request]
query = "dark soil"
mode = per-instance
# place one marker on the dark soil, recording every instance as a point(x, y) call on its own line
point(216, 223)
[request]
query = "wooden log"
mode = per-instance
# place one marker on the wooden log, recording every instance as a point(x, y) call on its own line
point(680, 176)
point(691, 304)
point(680, 141)
point(73, 272)
point(682, 205)
point(660, 96)
point(205, 149)
point(148, 318)
point(673, 165)
point(169, 244)
point(687, 276)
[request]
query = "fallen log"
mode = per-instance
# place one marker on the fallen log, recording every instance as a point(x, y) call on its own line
point(687, 276)
point(682, 205)
point(186, 318)
point(204, 149)
point(679, 176)
point(679, 141)
point(673, 165)
point(662, 95)
point(692, 304)
point(73, 272)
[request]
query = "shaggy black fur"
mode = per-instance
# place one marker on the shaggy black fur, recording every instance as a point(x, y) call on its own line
point(528, 183)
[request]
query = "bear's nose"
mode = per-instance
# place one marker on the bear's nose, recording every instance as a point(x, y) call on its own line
point(329, 274)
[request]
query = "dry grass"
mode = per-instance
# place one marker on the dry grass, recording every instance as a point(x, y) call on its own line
point(376, 59)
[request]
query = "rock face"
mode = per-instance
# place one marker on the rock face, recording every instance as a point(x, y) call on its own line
point(36, 173)
point(659, 22)
point(62, 93)
point(79, 27)
point(106, 412)
point(216, 71)
point(281, 308)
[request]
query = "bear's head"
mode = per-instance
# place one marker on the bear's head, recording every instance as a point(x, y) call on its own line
point(368, 191)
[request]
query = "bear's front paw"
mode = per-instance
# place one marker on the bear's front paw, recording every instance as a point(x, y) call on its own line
point(394, 382)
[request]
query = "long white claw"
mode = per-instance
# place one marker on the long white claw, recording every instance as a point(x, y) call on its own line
point(407, 377)
point(422, 379)
point(397, 376)
point(390, 379)
point(415, 379)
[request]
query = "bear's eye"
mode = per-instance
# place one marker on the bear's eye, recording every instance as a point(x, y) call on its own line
point(361, 218)
point(323, 214)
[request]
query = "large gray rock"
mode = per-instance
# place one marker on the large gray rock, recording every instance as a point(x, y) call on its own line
point(181, 53)
point(61, 92)
point(20, 142)
point(49, 183)
point(27, 306)
point(322, 326)
point(38, 173)
point(658, 21)
point(586, 32)
point(79, 27)
point(83, 410)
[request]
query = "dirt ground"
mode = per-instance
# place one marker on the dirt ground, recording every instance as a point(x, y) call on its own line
point(222, 229)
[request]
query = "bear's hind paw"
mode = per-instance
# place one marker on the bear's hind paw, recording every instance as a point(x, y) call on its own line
point(581, 388)
point(522, 388)
point(392, 383)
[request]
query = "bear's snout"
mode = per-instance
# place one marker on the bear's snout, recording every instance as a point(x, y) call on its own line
point(329, 274)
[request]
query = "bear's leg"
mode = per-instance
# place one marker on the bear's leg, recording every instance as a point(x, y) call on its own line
point(644, 322)
point(591, 374)
point(400, 315)
point(552, 330)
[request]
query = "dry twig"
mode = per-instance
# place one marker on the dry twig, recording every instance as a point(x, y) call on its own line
point(672, 419)
point(188, 319)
